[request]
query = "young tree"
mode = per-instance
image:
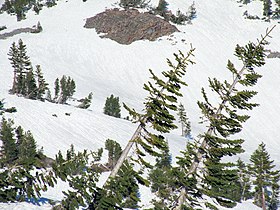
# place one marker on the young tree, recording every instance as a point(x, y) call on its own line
point(133, 3)
point(267, 8)
point(86, 102)
point(161, 9)
point(56, 89)
point(265, 177)
point(114, 152)
point(162, 180)
point(218, 177)
point(184, 120)
point(9, 152)
point(64, 89)
point(41, 83)
point(27, 151)
point(31, 86)
point(276, 12)
point(112, 106)
point(191, 13)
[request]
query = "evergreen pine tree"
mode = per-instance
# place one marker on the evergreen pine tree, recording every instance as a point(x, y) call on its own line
point(265, 177)
point(41, 82)
point(124, 189)
point(276, 12)
point(27, 151)
point(267, 8)
point(13, 53)
point(86, 102)
point(162, 182)
point(114, 152)
point(191, 14)
point(31, 86)
point(184, 121)
point(133, 3)
point(112, 106)
point(17, 179)
point(161, 100)
point(64, 89)
point(1, 106)
point(219, 178)
point(77, 169)
point(21, 65)
point(9, 152)
point(161, 9)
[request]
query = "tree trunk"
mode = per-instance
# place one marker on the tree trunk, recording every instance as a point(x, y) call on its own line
point(263, 200)
point(125, 152)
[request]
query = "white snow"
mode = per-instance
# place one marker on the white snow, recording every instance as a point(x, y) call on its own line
point(106, 67)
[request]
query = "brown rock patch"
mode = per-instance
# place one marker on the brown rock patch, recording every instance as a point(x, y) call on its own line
point(127, 26)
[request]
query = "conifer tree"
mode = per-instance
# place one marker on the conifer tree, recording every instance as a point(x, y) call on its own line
point(162, 180)
point(41, 83)
point(267, 8)
point(184, 121)
point(56, 88)
point(21, 65)
point(114, 152)
point(265, 177)
point(8, 151)
point(276, 12)
point(219, 178)
point(77, 170)
point(1, 104)
point(64, 89)
point(123, 191)
point(112, 106)
point(133, 3)
point(17, 158)
point(161, 100)
point(161, 9)
point(86, 102)
point(31, 86)
point(27, 151)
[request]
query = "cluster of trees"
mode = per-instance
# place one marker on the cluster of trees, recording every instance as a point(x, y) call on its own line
point(63, 89)
point(162, 10)
point(3, 109)
point(267, 8)
point(26, 82)
point(201, 170)
point(32, 85)
point(133, 3)
point(19, 157)
point(20, 7)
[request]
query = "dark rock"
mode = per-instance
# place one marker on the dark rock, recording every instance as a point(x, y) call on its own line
point(127, 26)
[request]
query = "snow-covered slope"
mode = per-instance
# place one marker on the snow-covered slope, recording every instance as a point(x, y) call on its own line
point(105, 67)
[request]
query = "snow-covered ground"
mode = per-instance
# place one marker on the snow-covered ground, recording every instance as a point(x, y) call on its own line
point(106, 67)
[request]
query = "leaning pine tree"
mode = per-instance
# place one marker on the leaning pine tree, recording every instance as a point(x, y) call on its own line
point(216, 178)
point(161, 100)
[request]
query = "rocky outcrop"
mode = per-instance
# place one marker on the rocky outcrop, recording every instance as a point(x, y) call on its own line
point(127, 26)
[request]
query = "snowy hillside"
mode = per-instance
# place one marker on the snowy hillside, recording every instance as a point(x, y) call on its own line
point(105, 67)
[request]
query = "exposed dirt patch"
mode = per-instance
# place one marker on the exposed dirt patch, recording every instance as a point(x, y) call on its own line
point(127, 26)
